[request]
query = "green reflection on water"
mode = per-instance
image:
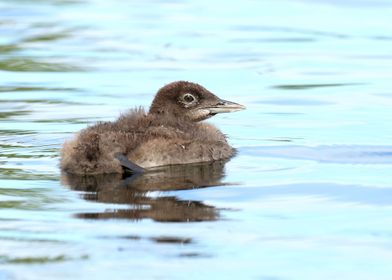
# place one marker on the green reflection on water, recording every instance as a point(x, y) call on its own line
point(8, 48)
point(18, 132)
point(42, 101)
point(33, 260)
point(311, 86)
point(12, 204)
point(31, 88)
point(21, 64)
point(68, 121)
point(47, 37)
point(21, 174)
point(6, 115)
point(16, 155)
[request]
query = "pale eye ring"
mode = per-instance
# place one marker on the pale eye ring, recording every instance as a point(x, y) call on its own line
point(189, 98)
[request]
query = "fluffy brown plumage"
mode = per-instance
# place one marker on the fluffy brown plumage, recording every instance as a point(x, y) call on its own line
point(170, 133)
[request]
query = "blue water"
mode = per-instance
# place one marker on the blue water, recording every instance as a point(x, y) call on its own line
point(309, 195)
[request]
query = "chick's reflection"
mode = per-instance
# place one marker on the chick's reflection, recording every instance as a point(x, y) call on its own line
point(135, 190)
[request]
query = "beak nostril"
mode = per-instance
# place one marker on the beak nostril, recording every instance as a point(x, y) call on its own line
point(220, 103)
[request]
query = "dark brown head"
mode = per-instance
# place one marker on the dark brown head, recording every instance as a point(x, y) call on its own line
point(190, 101)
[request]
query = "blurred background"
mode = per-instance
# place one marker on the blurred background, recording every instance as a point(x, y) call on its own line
point(308, 196)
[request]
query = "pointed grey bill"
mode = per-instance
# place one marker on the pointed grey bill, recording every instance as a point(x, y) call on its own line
point(224, 106)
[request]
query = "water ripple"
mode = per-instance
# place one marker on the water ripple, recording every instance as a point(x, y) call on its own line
point(328, 154)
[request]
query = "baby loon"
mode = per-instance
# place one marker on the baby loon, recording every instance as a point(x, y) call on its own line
point(170, 133)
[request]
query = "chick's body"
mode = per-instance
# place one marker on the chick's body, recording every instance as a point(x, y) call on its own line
point(146, 140)
point(170, 133)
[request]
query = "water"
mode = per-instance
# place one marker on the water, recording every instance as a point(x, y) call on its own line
point(309, 195)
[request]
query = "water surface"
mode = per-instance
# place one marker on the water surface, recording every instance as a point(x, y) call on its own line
point(308, 196)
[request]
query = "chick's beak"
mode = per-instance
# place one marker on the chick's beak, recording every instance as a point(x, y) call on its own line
point(224, 106)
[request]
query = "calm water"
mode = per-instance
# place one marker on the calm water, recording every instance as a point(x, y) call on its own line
point(309, 195)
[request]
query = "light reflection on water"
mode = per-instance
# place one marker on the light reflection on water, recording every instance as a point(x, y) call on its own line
point(308, 195)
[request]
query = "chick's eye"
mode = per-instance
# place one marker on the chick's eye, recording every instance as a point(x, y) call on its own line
point(189, 98)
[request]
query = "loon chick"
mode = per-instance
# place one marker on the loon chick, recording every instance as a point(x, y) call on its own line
point(170, 133)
